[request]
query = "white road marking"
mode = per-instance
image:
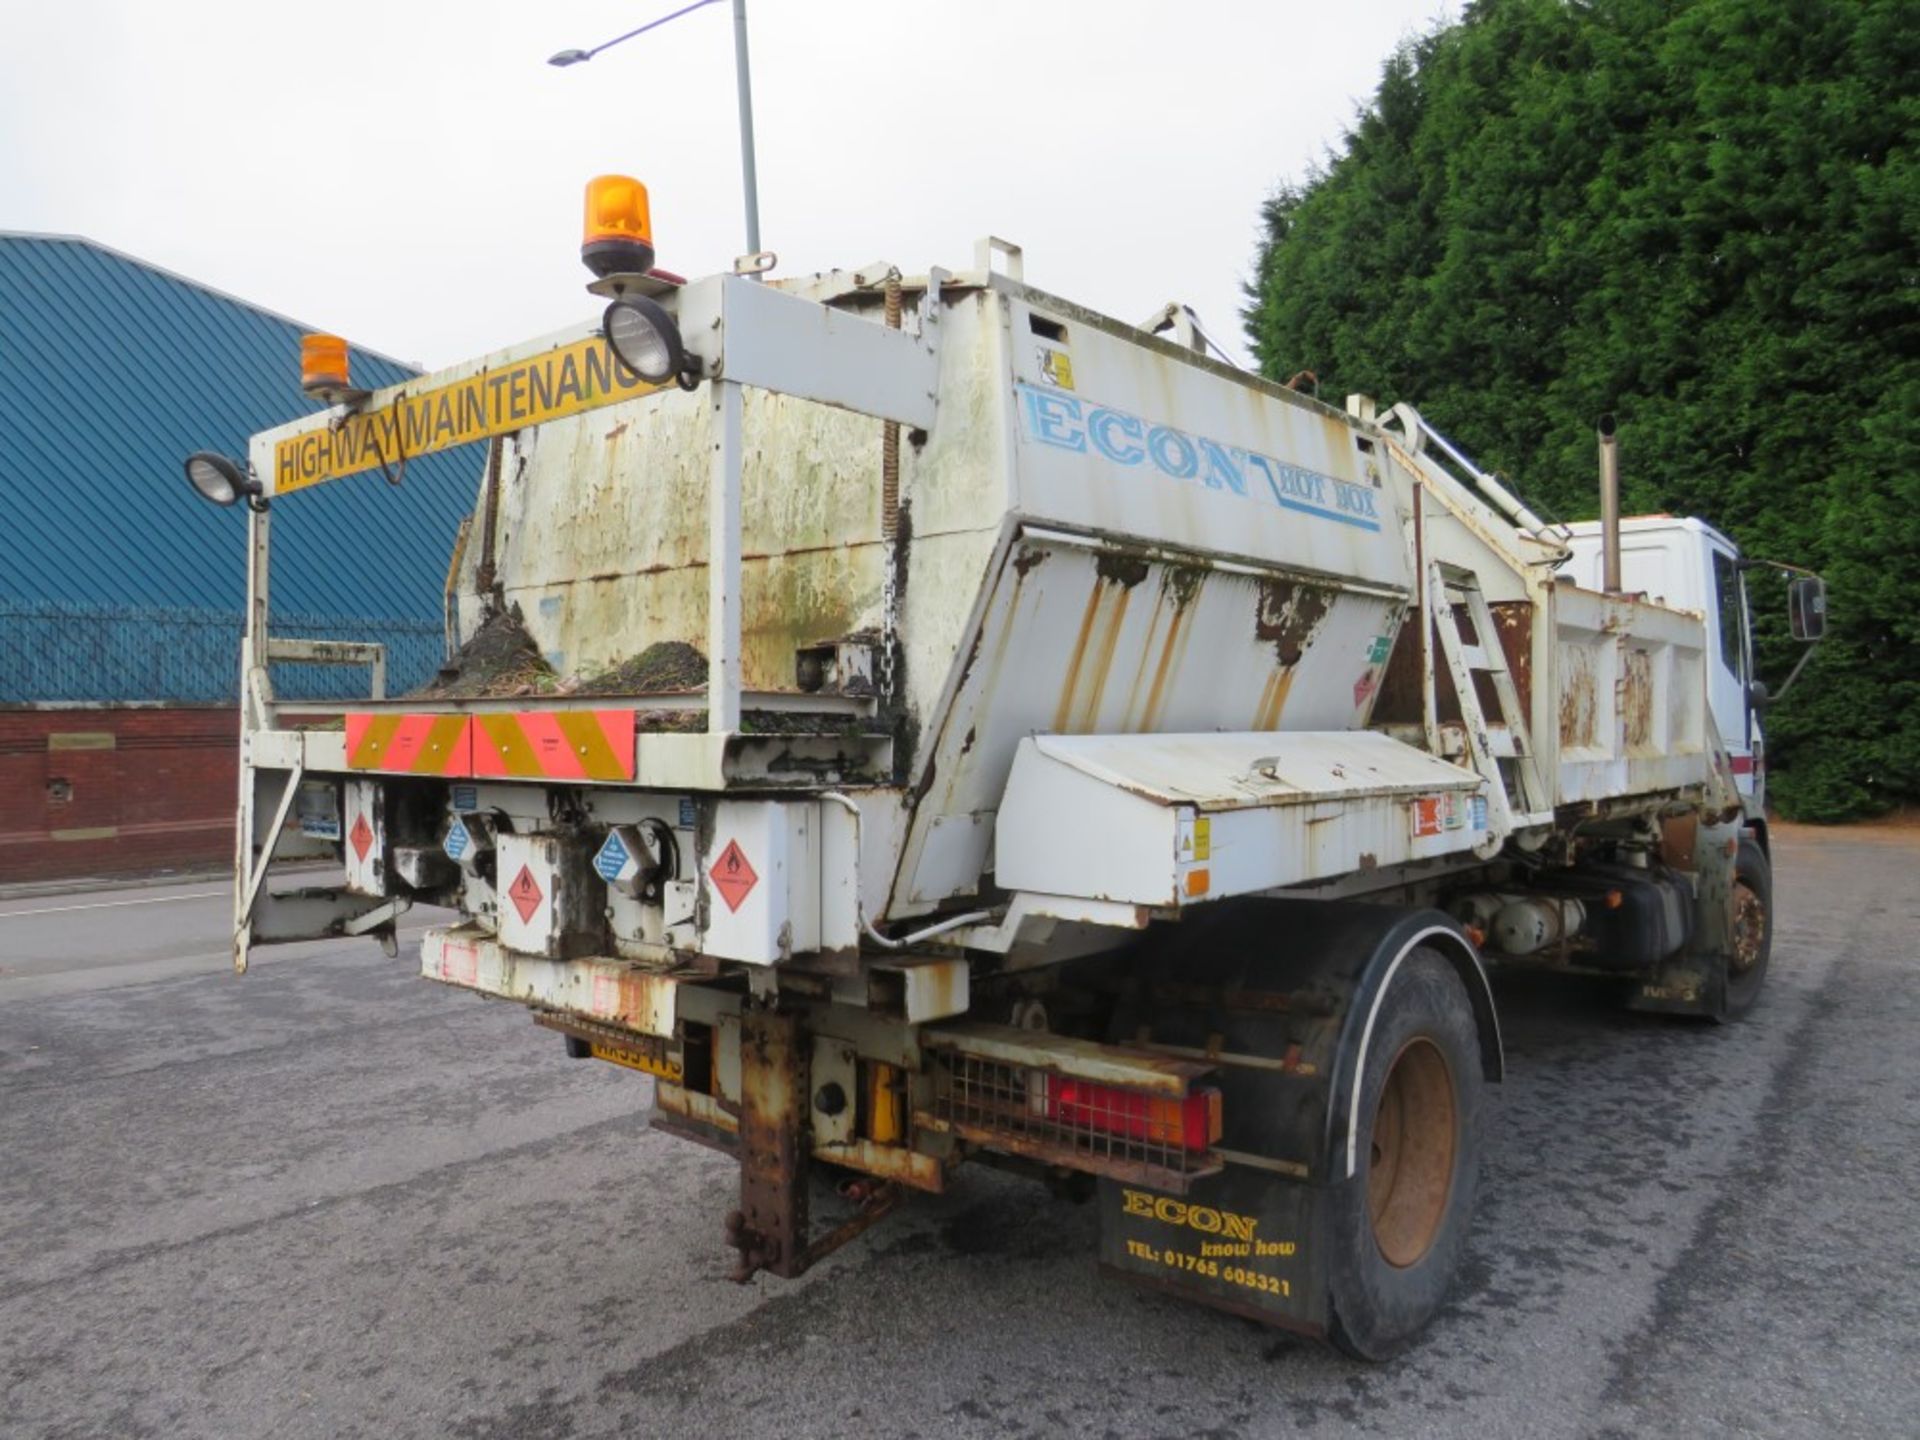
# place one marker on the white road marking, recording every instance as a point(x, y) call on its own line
point(112, 904)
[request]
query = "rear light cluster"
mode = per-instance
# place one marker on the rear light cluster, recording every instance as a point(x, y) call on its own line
point(1188, 1123)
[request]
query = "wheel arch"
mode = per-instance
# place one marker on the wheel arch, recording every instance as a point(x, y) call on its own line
point(1433, 930)
point(1332, 961)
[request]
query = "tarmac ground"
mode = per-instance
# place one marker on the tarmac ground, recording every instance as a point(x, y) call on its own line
point(333, 1199)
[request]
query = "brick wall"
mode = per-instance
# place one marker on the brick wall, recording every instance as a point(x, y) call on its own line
point(116, 790)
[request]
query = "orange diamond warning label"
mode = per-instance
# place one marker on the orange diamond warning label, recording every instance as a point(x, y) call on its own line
point(1427, 815)
point(525, 894)
point(732, 876)
point(361, 836)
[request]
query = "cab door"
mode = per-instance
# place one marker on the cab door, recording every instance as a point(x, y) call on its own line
point(1730, 665)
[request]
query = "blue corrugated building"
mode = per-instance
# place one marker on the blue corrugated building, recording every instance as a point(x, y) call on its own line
point(116, 583)
point(121, 593)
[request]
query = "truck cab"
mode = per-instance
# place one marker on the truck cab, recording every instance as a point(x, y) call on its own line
point(1686, 564)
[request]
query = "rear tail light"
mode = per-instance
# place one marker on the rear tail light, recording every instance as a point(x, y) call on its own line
point(1188, 1123)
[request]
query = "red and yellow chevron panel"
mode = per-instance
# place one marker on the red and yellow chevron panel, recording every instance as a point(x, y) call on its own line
point(555, 744)
point(410, 744)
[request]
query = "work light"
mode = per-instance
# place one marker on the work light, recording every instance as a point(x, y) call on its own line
point(645, 339)
point(219, 481)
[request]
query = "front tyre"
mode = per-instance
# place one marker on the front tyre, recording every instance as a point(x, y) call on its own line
point(1750, 940)
point(1398, 1226)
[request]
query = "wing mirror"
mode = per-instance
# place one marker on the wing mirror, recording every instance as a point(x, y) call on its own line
point(1807, 607)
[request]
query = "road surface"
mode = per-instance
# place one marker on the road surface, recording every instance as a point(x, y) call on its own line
point(332, 1199)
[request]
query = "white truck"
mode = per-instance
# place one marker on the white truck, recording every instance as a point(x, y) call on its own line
point(917, 720)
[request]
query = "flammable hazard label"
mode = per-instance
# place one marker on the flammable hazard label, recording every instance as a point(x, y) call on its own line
point(525, 894)
point(732, 875)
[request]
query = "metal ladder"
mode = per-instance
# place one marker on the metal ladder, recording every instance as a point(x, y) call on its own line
point(1517, 796)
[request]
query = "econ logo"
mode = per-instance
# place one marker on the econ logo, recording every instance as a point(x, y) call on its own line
point(1067, 422)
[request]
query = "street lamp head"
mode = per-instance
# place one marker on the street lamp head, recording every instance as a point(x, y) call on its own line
point(569, 57)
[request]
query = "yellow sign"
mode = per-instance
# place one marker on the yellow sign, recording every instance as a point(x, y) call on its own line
point(581, 376)
point(1204, 1218)
point(662, 1065)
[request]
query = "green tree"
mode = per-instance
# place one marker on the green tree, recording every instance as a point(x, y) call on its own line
point(1701, 215)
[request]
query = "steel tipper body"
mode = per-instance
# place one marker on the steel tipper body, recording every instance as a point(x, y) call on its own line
point(950, 724)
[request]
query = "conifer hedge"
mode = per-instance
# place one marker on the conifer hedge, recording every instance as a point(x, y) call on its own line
point(1700, 215)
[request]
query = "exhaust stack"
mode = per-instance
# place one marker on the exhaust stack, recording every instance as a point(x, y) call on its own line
point(1609, 508)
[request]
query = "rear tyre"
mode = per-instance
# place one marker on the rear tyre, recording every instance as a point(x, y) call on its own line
point(1398, 1226)
point(1750, 942)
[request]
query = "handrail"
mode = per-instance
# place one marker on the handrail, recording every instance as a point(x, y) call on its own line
point(1418, 433)
point(333, 652)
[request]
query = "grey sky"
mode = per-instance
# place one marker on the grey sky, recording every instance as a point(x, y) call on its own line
point(409, 173)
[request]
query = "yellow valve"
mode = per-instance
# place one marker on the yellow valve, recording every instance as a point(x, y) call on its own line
point(617, 238)
point(883, 1104)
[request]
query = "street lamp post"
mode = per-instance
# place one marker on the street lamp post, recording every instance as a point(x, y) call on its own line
point(743, 86)
point(749, 177)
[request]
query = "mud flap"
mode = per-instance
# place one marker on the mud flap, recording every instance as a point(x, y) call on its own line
point(1685, 984)
point(1244, 1241)
point(1694, 981)
point(1283, 993)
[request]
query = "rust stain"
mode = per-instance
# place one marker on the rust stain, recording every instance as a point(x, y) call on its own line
point(991, 681)
point(836, 547)
point(1636, 698)
point(1064, 708)
point(1273, 699)
point(1266, 698)
point(1146, 653)
point(1181, 583)
point(1577, 706)
point(889, 1162)
point(1513, 619)
point(772, 1231)
point(1086, 682)
point(1288, 615)
point(1170, 652)
point(1116, 1165)
point(1103, 663)
point(1401, 697)
point(1679, 838)
point(981, 678)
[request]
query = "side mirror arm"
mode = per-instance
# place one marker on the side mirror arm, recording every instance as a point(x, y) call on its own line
point(1748, 563)
point(1794, 674)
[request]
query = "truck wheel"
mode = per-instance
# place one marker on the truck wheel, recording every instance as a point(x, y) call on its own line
point(1752, 934)
point(1399, 1225)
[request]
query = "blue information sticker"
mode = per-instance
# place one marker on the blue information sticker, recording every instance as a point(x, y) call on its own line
point(458, 839)
point(686, 813)
point(466, 798)
point(612, 858)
